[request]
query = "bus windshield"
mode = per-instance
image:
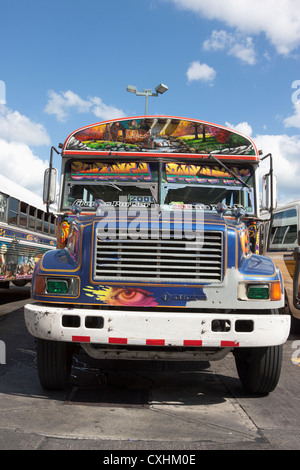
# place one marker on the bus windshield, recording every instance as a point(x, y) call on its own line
point(115, 183)
point(137, 183)
point(207, 185)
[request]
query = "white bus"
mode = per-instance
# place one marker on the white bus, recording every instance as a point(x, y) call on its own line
point(281, 238)
point(26, 232)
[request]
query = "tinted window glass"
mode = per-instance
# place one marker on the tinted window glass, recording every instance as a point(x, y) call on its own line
point(284, 230)
point(13, 211)
point(3, 207)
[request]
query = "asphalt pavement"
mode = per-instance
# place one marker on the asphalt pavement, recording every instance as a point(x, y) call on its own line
point(127, 406)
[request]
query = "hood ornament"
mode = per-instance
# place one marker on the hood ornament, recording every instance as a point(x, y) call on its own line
point(239, 212)
point(221, 208)
point(98, 204)
point(76, 209)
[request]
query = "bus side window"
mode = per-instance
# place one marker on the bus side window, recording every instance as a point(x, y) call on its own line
point(23, 217)
point(39, 220)
point(46, 223)
point(13, 211)
point(32, 217)
point(291, 235)
point(52, 224)
point(279, 234)
point(284, 230)
point(3, 207)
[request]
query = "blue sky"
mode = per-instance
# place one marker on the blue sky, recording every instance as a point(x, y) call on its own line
point(65, 64)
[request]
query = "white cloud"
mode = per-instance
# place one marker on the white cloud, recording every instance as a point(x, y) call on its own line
point(202, 72)
point(236, 45)
point(242, 127)
point(61, 104)
point(286, 164)
point(217, 41)
point(18, 133)
point(19, 128)
point(103, 111)
point(294, 120)
point(18, 163)
point(285, 152)
point(278, 20)
point(244, 51)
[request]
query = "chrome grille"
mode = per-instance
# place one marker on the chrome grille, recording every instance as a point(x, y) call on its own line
point(170, 260)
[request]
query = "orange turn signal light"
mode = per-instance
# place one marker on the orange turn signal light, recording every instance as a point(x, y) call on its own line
point(276, 291)
point(39, 284)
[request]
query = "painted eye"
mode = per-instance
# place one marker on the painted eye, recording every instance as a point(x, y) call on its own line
point(131, 297)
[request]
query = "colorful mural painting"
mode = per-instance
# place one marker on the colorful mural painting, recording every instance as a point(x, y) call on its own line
point(159, 134)
point(138, 297)
point(14, 265)
point(106, 171)
point(121, 296)
point(19, 253)
point(176, 173)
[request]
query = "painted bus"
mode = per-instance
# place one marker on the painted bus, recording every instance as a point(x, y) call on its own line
point(158, 252)
point(27, 231)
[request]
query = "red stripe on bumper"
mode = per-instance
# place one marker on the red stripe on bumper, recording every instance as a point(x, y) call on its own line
point(192, 342)
point(81, 339)
point(230, 344)
point(155, 342)
point(117, 340)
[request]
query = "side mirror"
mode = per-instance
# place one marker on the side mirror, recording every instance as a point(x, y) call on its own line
point(269, 192)
point(50, 182)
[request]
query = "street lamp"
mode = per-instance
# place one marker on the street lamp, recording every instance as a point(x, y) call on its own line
point(160, 89)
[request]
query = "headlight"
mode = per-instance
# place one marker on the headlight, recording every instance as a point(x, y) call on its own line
point(257, 291)
point(58, 286)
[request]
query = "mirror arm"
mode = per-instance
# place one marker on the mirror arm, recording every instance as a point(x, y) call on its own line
point(271, 177)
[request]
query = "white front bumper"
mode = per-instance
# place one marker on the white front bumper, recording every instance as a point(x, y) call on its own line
point(139, 328)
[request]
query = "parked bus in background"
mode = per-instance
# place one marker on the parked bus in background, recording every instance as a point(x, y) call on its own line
point(27, 231)
point(280, 240)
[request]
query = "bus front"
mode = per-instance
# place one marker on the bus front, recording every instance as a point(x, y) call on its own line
point(158, 253)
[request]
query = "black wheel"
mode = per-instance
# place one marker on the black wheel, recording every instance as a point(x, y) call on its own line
point(54, 361)
point(19, 283)
point(259, 368)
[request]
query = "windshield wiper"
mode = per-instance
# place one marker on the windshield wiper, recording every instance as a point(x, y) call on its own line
point(229, 171)
point(113, 185)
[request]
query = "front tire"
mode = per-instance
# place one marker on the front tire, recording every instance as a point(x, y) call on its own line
point(259, 368)
point(54, 361)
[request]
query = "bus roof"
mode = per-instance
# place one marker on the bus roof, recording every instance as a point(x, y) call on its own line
point(157, 135)
point(19, 192)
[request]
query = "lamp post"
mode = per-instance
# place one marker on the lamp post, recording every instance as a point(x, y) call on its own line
point(160, 89)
